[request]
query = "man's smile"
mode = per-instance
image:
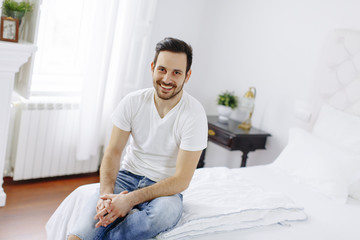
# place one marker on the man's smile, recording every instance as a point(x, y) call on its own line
point(166, 87)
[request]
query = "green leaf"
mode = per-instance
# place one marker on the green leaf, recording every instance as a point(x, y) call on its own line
point(11, 5)
point(228, 99)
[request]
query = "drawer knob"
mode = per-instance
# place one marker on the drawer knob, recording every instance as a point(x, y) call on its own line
point(211, 132)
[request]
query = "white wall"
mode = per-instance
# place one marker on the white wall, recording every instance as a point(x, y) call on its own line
point(179, 19)
point(272, 45)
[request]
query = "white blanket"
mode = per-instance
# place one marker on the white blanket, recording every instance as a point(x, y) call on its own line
point(68, 212)
point(218, 199)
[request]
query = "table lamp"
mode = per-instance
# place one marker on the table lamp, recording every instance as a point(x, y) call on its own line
point(247, 103)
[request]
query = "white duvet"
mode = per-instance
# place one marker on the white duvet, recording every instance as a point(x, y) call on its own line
point(217, 200)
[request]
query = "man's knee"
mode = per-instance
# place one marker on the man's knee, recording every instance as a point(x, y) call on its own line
point(171, 204)
point(168, 210)
point(73, 237)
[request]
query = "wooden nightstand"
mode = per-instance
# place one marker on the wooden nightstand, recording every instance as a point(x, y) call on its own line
point(229, 136)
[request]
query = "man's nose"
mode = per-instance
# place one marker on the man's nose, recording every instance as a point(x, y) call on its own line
point(167, 78)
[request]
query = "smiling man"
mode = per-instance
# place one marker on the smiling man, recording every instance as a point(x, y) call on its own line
point(168, 131)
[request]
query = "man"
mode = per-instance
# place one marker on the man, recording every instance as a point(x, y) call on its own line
point(168, 130)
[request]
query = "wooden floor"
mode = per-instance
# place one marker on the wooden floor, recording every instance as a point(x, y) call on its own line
point(29, 204)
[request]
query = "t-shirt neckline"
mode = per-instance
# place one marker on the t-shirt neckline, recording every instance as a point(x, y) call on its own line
point(171, 111)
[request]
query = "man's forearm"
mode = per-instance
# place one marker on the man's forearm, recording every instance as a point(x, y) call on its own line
point(166, 187)
point(108, 172)
point(110, 163)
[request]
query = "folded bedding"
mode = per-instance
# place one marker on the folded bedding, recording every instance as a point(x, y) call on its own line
point(220, 199)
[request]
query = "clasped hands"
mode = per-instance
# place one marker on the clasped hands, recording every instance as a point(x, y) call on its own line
point(110, 207)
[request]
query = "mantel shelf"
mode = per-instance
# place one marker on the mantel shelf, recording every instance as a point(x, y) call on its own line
point(13, 55)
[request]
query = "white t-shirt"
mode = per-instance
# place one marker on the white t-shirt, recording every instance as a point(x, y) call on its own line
point(155, 141)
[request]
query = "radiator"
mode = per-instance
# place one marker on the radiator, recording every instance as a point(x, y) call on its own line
point(44, 141)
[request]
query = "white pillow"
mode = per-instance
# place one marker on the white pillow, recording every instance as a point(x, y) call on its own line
point(354, 190)
point(320, 165)
point(342, 130)
point(338, 128)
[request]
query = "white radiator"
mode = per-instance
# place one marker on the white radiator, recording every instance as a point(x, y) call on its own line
point(44, 142)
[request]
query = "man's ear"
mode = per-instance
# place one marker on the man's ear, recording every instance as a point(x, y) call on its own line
point(152, 66)
point(188, 76)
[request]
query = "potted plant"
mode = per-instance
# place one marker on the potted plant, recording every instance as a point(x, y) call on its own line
point(14, 9)
point(227, 101)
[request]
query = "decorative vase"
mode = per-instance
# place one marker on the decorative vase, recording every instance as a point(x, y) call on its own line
point(224, 113)
point(15, 14)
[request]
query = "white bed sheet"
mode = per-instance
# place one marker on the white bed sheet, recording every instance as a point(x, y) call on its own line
point(327, 219)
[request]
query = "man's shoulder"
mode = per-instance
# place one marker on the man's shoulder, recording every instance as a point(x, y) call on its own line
point(139, 96)
point(192, 103)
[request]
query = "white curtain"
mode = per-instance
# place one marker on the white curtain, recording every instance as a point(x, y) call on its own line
point(116, 64)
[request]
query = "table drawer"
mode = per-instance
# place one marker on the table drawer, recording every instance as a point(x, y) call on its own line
point(219, 137)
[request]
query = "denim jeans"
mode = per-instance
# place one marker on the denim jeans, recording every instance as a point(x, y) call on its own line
point(145, 221)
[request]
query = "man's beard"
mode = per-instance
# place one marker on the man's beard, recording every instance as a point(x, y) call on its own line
point(158, 84)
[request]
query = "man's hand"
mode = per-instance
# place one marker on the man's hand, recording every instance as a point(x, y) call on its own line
point(119, 206)
point(101, 204)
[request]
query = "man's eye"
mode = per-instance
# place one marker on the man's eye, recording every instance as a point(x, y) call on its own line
point(161, 69)
point(177, 73)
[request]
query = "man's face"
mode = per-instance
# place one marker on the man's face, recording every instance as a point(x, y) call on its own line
point(169, 74)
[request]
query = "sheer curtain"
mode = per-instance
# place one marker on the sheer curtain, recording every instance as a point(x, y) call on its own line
point(115, 67)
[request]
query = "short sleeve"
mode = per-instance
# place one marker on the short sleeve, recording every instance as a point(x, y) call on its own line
point(121, 117)
point(195, 133)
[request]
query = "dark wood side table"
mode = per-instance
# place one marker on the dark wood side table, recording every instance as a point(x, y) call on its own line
point(229, 136)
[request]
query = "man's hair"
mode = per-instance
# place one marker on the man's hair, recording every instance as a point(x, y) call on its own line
point(177, 46)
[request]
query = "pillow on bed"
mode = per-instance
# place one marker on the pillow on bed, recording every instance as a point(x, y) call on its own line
point(319, 164)
point(338, 128)
point(354, 190)
point(342, 130)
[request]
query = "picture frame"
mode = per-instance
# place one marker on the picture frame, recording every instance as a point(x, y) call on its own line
point(9, 30)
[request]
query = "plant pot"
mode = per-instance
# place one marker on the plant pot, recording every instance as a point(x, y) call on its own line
point(224, 113)
point(15, 14)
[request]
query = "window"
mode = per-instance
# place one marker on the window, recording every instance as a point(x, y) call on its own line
point(64, 39)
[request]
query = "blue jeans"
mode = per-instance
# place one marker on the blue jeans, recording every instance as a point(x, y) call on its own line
point(145, 221)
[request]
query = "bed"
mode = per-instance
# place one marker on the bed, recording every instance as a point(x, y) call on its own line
point(312, 190)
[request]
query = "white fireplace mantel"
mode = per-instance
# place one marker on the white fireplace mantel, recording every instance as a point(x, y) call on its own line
point(12, 57)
